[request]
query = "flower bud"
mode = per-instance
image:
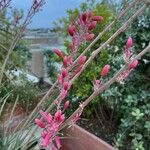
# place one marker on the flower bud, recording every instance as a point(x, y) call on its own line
point(39, 123)
point(97, 18)
point(58, 52)
point(133, 64)
point(65, 61)
point(105, 70)
point(64, 72)
point(71, 30)
point(84, 16)
point(57, 115)
point(92, 25)
point(63, 94)
point(77, 70)
point(66, 85)
point(59, 78)
point(66, 105)
point(129, 42)
point(81, 60)
point(89, 37)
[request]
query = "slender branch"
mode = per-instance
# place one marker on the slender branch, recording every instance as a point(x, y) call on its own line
point(105, 86)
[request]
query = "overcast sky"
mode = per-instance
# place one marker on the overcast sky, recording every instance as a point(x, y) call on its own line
point(53, 10)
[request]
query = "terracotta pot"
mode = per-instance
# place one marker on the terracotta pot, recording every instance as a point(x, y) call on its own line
point(80, 139)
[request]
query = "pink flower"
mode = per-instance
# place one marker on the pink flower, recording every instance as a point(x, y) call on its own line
point(57, 141)
point(66, 105)
point(81, 60)
point(129, 42)
point(97, 18)
point(66, 85)
point(105, 70)
point(65, 61)
point(45, 141)
point(84, 16)
point(59, 78)
point(92, 25)
point(58, 52)
point(39, 123)
point(133, 64)
point(71, 30)
point(89, 37)
point(64, 72)
point(43, 134)
point(63, 94)
point(77, 70)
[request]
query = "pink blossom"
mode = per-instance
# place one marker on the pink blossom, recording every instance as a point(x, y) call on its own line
point(64, 72)
point(59, 78)
point(89, 37)
point(39, 123)
point(97, 18)
point(92, 25)
point(84, 16)
point(105, 70)
point(129, 42)
point(81, 60)
point(63, 94)
point(71, 30)
point(57, 141)
point(66, 105)
point(77, 70)
point(58, 52)
point(133, 64)
point(45, 141)
point(66, 85)
point(65, 61)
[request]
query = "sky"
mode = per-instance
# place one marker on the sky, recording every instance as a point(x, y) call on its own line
point(52, 10)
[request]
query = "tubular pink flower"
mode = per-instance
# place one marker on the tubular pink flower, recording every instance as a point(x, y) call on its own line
point(57, 141)
point(39, 123)
point(105, 70)
point(59, 78)
point(58, 52)
point(77, 70)
point(66, 105)
point(92, 25)
point(66, 85)
point(64, 72)
point(65, 61)
point(129, 42)
point(81, 60)
point(89, 37)
point(63, 94)
point(97, 18)
point(45, 141)
point(84, 16)
point(133, 64)
point(71, 30)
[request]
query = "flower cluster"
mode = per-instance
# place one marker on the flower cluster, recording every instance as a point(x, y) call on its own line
point(50, 126)
point(127, 58)
point(80, 32)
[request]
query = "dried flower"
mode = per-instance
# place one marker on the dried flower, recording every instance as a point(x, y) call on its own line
point(105, 70)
